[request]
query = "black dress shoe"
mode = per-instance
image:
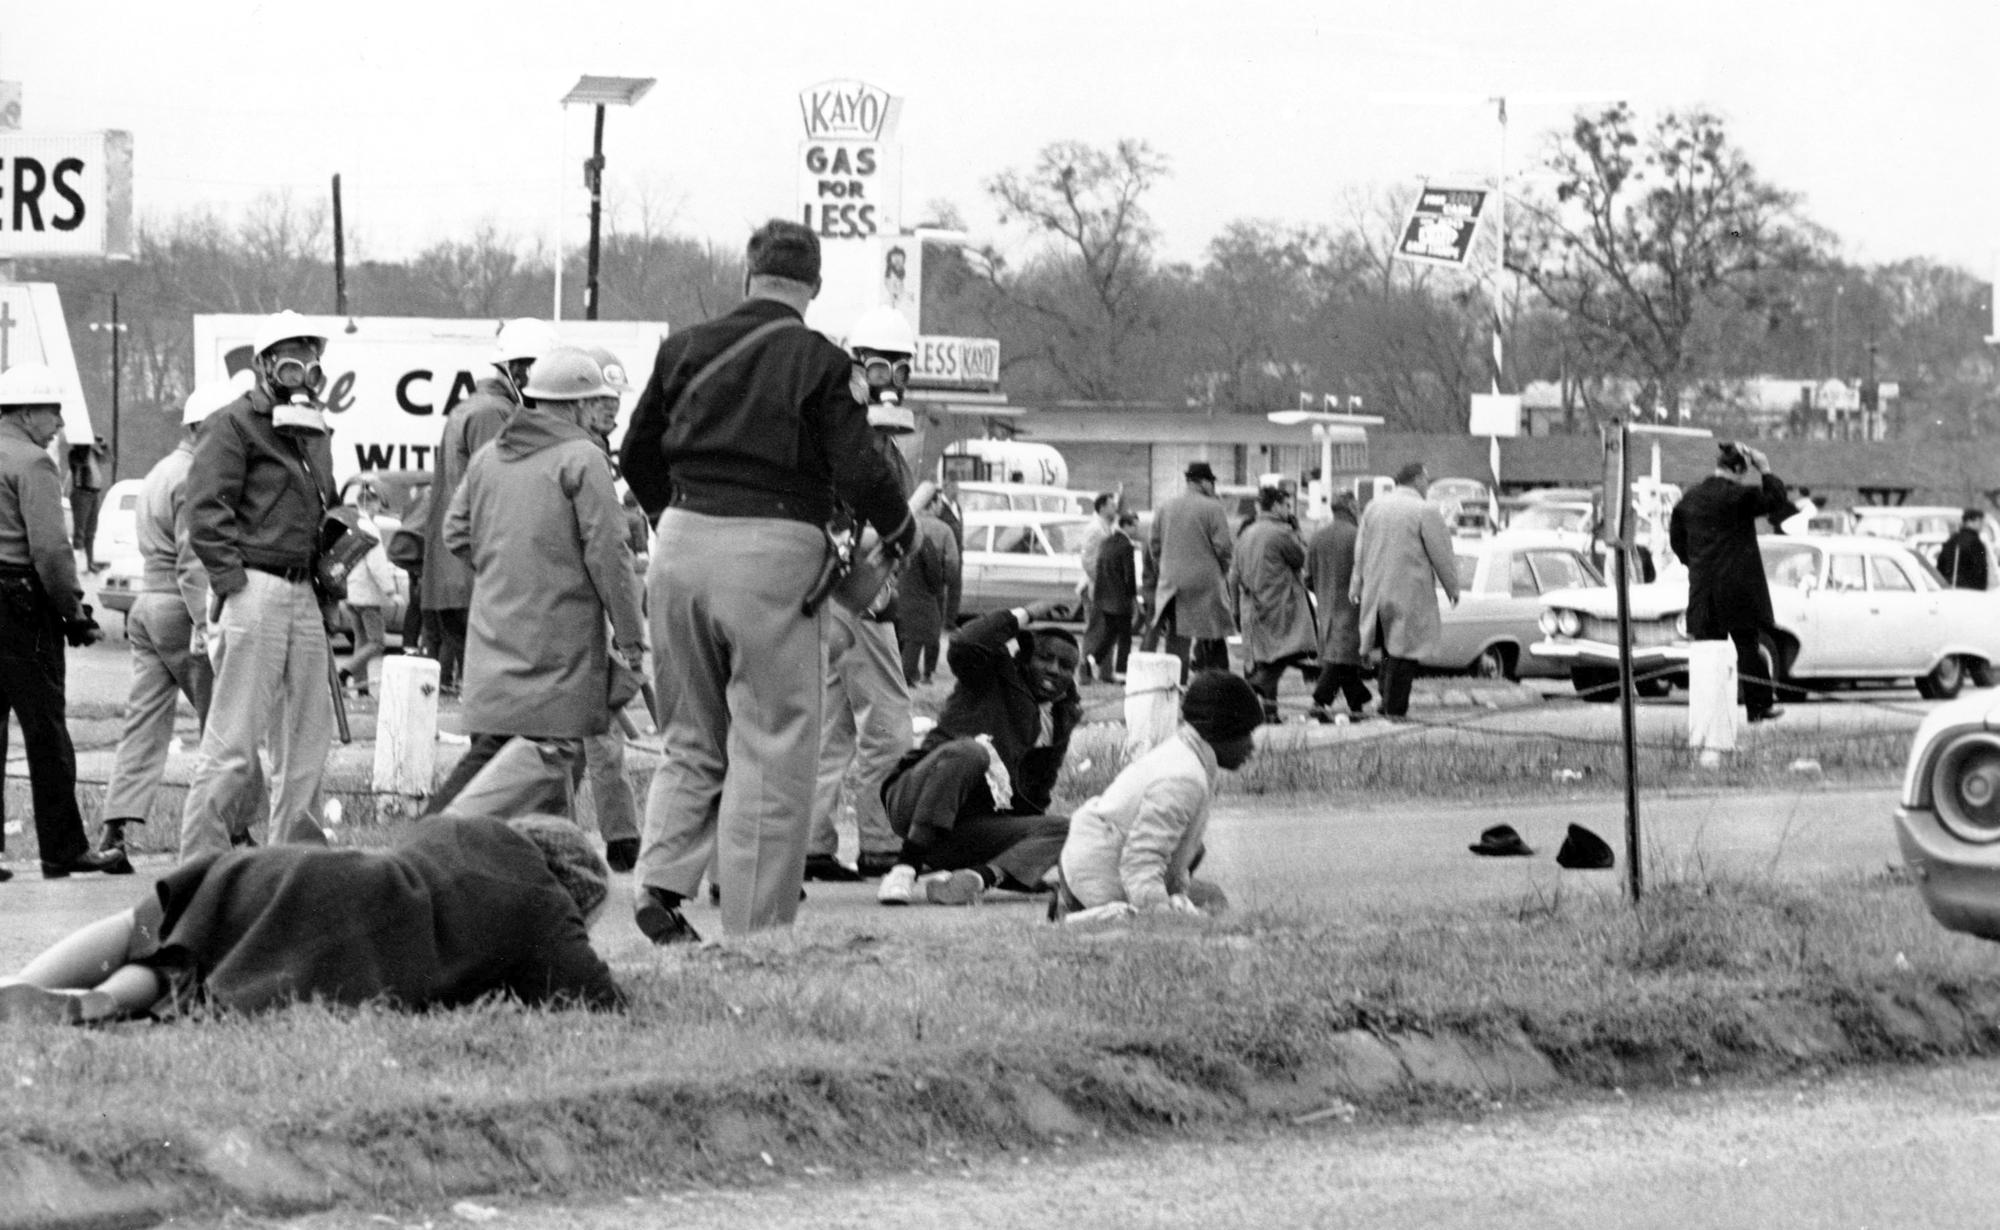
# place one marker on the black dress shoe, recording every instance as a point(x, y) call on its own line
point(875, 866)
point(659, 918)
point(1768, 715)
point(622, 854)
point(5, 875)
point(110, 862)
point(113, 837)
point(828, 868)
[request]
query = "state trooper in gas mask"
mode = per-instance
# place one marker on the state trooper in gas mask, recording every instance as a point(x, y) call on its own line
point(258, 493)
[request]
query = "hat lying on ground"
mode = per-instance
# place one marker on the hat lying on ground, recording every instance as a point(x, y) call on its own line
point(1501, 841)
point(1583, 850)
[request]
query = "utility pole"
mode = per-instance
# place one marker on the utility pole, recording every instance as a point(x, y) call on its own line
point(597, 92)
point(115, 328)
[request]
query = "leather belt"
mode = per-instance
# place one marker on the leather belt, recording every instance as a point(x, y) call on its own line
point(299, 573)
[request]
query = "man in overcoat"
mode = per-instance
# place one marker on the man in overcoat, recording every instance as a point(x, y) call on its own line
point(1402, 556)
point(1269, 595)
point(539, 521)
point(1329, 572)
point(1192, 547)
point(1713, 530)
point(446, 582)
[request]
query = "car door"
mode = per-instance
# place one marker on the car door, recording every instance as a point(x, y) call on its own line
point(972, 569)
point(1464, 629)
point(1909, 622)
point(1018, 568)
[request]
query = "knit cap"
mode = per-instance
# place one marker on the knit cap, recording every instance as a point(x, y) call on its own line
point(1221, 706)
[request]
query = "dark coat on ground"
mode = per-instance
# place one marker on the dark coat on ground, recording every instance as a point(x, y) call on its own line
point(1714, 532)
point(992, 697)
point(1962, 560)
point(465, 908)
point(1329, 572)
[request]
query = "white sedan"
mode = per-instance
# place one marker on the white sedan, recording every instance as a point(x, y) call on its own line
point(1846, 609)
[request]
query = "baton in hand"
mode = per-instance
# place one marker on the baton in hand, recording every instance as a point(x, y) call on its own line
point(339, 699)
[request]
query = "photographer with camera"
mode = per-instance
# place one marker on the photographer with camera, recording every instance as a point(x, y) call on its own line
point(1714, 532)
point(41, 606)
point(258, 490)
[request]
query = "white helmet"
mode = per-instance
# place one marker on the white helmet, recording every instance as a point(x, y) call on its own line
point(30, 384)
point(884, 329)
point(282, 327)
point(566, 374)
point(205, 399)
point(525, 338)
point(612, 366)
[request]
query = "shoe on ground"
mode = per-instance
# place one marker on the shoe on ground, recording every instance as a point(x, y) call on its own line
point(899, 886)
point(875, 866)
point(5, 875)
point(828, 868)
point(660, 922)
point(1768, 715)
point(28, 1004)
point(622, 854)
point(113, 837)
point(961, 887)
point(243, 840)
point(109, 862)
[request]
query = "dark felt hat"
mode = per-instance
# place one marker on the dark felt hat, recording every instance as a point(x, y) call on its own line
point(1501, 841)
point(1583, 850)
point(1200, 470)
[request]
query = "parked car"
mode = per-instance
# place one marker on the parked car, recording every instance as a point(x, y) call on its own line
point(1924, 528)
point(1464, 503)
point(1014, 557)
point(1023, 497)
point(118, 521)
point(118, 585)
point(1948, 821)
point(1501, 580)
point(1847, 609)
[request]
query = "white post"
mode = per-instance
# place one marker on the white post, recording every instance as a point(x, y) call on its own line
point(406, 727)
point(1152, 700)
point(1712, 698)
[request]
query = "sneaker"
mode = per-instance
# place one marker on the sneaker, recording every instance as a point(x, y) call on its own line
point(827, 867)
point(622, 854)
point(961, 887)
point(660, 922)
point(899, 887)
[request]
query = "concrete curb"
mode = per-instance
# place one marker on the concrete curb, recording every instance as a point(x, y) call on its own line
point(721, 1134)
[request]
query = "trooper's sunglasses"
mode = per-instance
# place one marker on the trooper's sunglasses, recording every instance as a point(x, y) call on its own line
point(883, 372)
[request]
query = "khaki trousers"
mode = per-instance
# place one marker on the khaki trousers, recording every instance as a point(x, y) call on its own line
point(736, 669)
point(270, 656)
point(867, 726)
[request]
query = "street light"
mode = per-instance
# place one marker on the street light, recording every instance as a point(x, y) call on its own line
point(598, 92)
point(115, 329)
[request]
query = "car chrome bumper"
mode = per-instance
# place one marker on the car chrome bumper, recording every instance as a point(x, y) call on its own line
point(1959, 882)
point(1603, 653)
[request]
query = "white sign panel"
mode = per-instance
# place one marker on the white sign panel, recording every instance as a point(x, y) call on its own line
point(956, 363)
point(849, 190)
point(390, 381)
point(1496, 414)
point(1441, 225)
point(32, 330)
point(66, 195)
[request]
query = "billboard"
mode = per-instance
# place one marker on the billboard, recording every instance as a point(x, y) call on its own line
point(850, 186)
point(66, 195)
point(390, 379)
point(1441, 225)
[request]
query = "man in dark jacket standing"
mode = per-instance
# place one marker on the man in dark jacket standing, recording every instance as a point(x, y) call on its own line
point(749, 430)
point(1962, 558)
point(1114, 600)
point(970, 801)
point(446, 583)
point(1329, 572)
point(1714, 532)
point(259, 486)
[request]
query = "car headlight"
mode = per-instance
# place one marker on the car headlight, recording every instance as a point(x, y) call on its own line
point(1965, 786)
point(1546, 621)
point(1569, 623)
point(1681, 625)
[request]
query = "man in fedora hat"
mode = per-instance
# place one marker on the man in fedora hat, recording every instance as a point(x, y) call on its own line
point(1191, 548)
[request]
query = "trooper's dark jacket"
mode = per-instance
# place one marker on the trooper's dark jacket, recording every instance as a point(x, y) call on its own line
point(776, 432)
point(255, 495)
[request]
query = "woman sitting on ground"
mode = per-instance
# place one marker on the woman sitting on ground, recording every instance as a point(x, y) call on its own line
point(465, 908)
point(1133, 848)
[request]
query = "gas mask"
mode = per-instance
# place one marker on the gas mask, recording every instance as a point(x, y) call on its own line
point(293, 376)
point(885, 378)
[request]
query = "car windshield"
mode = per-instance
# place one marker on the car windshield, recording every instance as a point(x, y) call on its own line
point(1550, 517)
point(1066, 537)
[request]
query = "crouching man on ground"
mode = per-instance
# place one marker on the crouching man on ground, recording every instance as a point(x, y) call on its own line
point(1133, 848)
point(971, 801)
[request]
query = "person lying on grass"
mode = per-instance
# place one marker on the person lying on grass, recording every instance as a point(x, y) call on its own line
point(1133, 848)
point(466, 907)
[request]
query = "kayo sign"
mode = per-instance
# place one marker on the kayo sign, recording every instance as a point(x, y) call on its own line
point(66, 195)
point(850, 171)
point(955, 363)
point(1441, 226)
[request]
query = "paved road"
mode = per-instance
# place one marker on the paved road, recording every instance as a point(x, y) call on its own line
point(1871, 1149)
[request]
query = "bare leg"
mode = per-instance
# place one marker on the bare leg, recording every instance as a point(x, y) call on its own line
point(84, 957)
point(83, 977)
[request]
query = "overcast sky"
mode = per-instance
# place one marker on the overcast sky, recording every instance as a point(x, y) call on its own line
point(441, 115)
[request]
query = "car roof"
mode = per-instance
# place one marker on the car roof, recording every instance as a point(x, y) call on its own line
point(1024, 516)
point(1515, 539)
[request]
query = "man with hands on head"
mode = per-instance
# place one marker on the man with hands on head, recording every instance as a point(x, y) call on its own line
point(1713, 530)
point(970, 801)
